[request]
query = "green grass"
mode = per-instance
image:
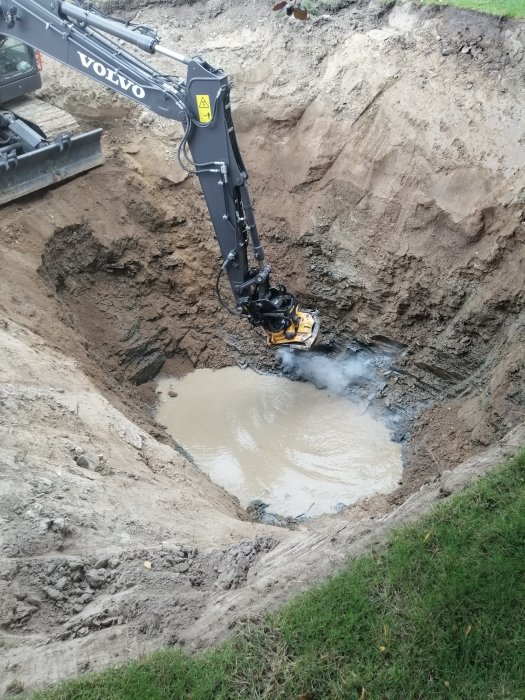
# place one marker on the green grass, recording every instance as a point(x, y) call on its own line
point(438, 612)
point(501, 8)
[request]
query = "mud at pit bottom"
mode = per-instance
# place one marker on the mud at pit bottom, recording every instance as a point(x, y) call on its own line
point(301, 450)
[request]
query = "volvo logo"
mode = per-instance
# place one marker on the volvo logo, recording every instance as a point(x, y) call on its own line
point(111, 76)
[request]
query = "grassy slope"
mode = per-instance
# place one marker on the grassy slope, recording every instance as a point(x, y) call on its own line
point(502, 8)
point(439, 612)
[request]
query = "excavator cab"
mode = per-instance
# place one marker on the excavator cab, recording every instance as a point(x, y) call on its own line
point(19, 69)
point(39, 143)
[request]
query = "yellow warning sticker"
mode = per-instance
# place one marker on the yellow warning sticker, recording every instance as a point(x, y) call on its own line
point(203, 105)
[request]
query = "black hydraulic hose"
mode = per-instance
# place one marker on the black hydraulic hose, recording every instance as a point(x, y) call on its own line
point(182, 143)
point(181, 151)
point(231, 311)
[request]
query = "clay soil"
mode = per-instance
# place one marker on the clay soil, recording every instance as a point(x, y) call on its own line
point(385, 146)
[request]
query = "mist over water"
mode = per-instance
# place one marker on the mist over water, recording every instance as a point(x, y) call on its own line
point(335, 374)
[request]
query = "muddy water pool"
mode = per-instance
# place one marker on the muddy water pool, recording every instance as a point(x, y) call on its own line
point(298, 448)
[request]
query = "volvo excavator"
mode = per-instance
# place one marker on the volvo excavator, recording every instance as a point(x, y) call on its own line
point(39, 144)
point(88, 41)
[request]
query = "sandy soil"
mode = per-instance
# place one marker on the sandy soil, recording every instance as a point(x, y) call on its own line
point(386, 153)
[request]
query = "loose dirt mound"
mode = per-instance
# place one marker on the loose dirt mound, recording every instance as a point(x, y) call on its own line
point(386, 159)
point(101, 524)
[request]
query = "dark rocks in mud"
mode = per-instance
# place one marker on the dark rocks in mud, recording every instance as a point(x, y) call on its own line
point(256, 511)
point(145, 591)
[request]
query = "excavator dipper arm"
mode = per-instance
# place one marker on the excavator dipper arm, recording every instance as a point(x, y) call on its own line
point(84, 40)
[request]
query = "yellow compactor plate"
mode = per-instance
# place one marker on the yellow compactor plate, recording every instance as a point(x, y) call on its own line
point(306, 332)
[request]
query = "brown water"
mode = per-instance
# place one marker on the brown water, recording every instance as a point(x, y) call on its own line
point(298, 448)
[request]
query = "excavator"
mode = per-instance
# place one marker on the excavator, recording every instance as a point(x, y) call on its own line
point(92, 43)
point(39, 143)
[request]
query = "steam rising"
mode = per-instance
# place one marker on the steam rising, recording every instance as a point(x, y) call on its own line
point(336, 374)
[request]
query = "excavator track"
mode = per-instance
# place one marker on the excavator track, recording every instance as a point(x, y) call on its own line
point(66, 154)
point(51, 120)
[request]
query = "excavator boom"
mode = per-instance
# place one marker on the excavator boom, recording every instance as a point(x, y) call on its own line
point(85, 41)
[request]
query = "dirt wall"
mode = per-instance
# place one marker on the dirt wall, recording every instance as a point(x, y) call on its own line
point(386, 160)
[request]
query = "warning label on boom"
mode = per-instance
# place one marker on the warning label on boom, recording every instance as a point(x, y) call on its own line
point(203, 105)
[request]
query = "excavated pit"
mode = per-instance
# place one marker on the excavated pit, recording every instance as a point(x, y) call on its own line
point(386, 164)
point(290, 449)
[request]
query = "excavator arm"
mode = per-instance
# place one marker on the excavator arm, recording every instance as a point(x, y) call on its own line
point(85, 41)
